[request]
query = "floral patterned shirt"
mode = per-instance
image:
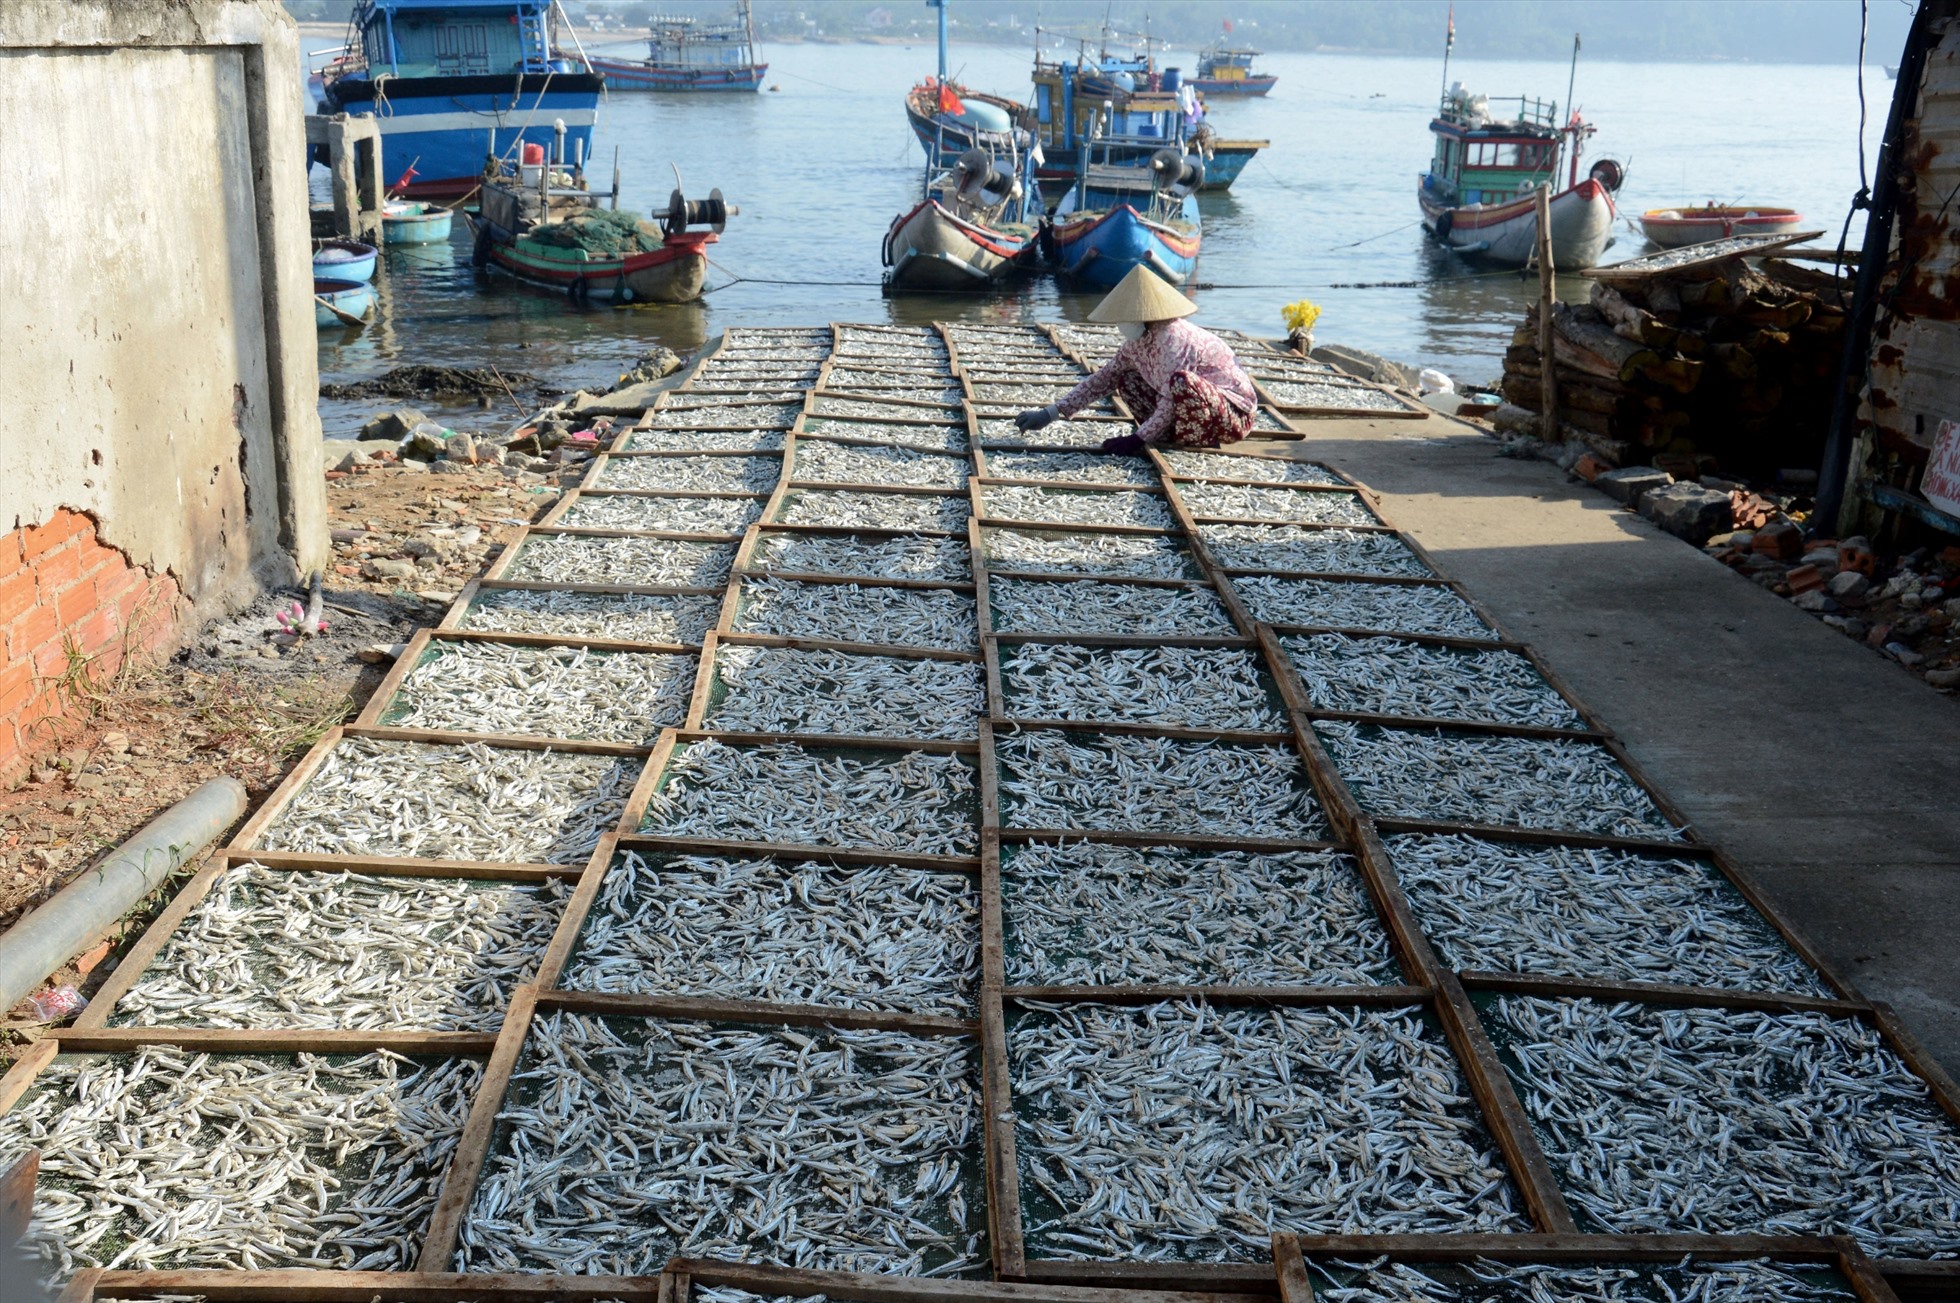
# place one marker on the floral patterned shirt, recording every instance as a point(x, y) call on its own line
point(1163, 351)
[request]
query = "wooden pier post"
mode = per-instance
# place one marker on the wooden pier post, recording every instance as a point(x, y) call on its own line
point(354, 159)
point(1548, 422)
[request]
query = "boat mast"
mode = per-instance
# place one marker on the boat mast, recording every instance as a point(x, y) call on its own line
point(1572, 124)
point(1449, 43)
point(748, 25)
point(940, 5)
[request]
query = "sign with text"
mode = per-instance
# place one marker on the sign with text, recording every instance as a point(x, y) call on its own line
point(1940, 485)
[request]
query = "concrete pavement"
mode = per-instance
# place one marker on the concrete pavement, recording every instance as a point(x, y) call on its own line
point(1826, 770)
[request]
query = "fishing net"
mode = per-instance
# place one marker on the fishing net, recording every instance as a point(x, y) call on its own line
point(600, 231)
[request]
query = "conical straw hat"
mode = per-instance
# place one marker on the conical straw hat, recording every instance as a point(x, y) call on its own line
point(1142, 296)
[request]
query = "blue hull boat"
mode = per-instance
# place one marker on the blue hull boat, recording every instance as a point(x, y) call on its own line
point(1101, 247)
point(452, 82)
point(347, 260)
point(356, 298)
point(415, 224)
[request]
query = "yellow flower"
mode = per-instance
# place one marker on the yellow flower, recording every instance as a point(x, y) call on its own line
point(1301, 315)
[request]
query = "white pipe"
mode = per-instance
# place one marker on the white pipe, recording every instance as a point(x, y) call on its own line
point(84, 909)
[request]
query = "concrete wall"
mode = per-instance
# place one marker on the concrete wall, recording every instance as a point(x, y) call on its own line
point(157, 346)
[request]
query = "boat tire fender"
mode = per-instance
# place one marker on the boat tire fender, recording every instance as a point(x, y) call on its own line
point(622, 292)
point(1609, 174)
point(578, 290)
point(1443, 224)
point(480, 248)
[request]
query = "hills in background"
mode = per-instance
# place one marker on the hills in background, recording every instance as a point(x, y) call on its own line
point(1753, 31)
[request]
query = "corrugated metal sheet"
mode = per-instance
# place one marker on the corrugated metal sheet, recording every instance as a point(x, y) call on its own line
point(1915, 358)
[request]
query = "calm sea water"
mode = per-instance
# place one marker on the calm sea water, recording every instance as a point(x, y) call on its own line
point(820, 168)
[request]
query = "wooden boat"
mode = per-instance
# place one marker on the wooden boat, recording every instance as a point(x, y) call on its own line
point(684, 57)
point(356, 298)
point(1118, 218)
point(1671, 228)
point(973, 232)
point(1478, 197)
point(344, 260)
point(554, 233)
point(415, 223)
point(1225, 69)
point(1079, 103)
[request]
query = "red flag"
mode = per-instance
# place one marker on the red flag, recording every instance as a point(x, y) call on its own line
point(1450, 44)
point(401, 182)
point(1228, 24)
point(949, 102)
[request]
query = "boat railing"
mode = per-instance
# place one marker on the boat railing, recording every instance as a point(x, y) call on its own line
point(1465, 110)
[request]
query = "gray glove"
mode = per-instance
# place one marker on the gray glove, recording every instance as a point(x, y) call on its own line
point(1038, 417)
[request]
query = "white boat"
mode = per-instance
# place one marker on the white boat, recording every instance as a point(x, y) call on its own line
point(971, 232)
point(1507, 233)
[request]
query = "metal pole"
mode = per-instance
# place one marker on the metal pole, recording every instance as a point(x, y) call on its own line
point(940, 5)
point(1572, 78)
point(1548, 422)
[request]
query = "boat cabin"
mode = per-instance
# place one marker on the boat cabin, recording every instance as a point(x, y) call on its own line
point(680, 44)
point(1226, 63)
point(457, 38)
point(1068, 111)
point(1482, 159)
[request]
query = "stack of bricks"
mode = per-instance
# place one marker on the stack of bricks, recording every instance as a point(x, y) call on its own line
point(68, 604)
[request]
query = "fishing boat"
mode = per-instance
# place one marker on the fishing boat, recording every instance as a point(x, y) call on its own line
point(344, 260)
point(1671, 228)
point(352, 297)
point(949, 119)
point(1120, 217)
point(453, 83)
point(1072, 97)
point(972, 232)
point(542, 223)
point(1226, 69)
point(414, 222)
point(684, 56)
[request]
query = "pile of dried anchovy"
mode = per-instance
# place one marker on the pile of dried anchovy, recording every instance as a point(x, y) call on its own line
point(1351, 604)
point(1307, 395)
point(1392, 676)
point(1576, 911)
point(933, 438)
point(1721, 1121)
point(870, 937)
point(634, 562)
point(1484, 1281)
point(796, 690)
point(1052, 779)
point(474, 802)
point(676, 618)
point(865, 557)
point(861, 408)
point(1180, 687)
point(1478, 778)
point(559, 692)
point(1082, 913)
point(1076, 506)
point(851, 463)
point(913, 801)
point(850, 509)
point(1228, 466)
point(744, 416)
point(1321, 551)
point(1072, 467)
point(677, 515)
point(144, 1157)
point(897, 617)
point(690, 474)
point(276, 948)
point(1082, 432)
point(706, 440)
point(1142, 556)
point(1256, 502)
point(632, 1140)
point(1087, 606)
point(1181, 1131)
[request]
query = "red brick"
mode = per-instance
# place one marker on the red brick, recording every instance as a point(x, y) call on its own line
point(56, 570)
point(51, 659)
point(112, 585)
point(44, 538)
point(32, 631)
point(1804, 578)
point(16, 686)
point(75, 603)
point(18, 594)
point(11, 559)
point(96, 558)
point(95, 631)
point(1590, 468)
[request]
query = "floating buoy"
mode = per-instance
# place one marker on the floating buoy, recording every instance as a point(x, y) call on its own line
point(775, 87)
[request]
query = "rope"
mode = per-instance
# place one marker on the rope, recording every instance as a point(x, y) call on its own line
point(814, 82)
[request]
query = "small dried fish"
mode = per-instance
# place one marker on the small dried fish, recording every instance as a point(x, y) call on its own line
point(638, 1139)
point(1086, 606)
point(665, 618)
point(1180, 687)
point(1575, 911)
point(870, 937)
point(1726, 1121)
point(1052, 779)
point(706, 440)
point(897, 617)
point(1327, 551)
point(1348, 604)
point(472, 802)
point(1182, 1131)
point(555, 692)
point(670, 512)
point(638, 562)
point(1330, 396)
point(1076, 506)
point(1035, 396)
point(845, 463)
point(1000, 431)
point(1082, 913)
point(869, 407)
point(1688, 1281)
point(1227, 466)
point(691, 474)
point(919, 802)
point(1477, 778)
point(1391, 676)
point(1072, 467)
point(794, 690)
point(158, 1159)
point(692, 415)
point(1142, 556)
point(848, 509)
point(936, 438)
point(279, 948)
point(865, 557)
point(1315, 506)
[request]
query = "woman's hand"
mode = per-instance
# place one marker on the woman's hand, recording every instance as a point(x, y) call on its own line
point(1036, 418)
point(1124, 445)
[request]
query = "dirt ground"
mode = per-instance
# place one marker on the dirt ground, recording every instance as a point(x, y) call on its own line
point(241, 696)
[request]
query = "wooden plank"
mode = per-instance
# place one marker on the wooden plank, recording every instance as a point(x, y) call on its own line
point(639, 841)
point(17, 1197)
point(1928, 1069)
point(1068, 577)
point(1277, 997)
point(1746, 885)
point(1426, 639)
point(473, 1143)
point(704, 683)
point(138, 958)
point(644, 786)
point(1122, 640)
point(1572, 1248)
point(391, 682)
point(1074, 527)
point(504, 741)
point(1669, 995)
point(1538, 836)
point(849, 648)
point(452, 619)
point(1003, 1169)
point(24, 1069)
point(488, 585)
point(1290, 1270)
point(1190, 840)
point(1233, 1277)
point(725, 1009)
point(403, 866)
point(304, 1286)
point(1118, 728)
point(289, 786)
point(1492, 728)
point(274, 1040)
point(1865, 1280)
point(837, 741)
point(855, 1287)
point(571, 923)
point(440, 636)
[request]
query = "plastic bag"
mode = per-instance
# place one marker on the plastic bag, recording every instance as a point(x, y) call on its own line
point(57, 1002)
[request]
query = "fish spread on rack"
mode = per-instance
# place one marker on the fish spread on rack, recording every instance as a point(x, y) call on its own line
point(1180, 687)
point(867, 613)
point(850, 509)
point(1319, 551)
point(1394, 676)
point(693, 474)
point(674, 618)
point(1277, 503)
point(810, 690)
point(1086, 606)
point(555, 692)
point(1142, 556)
point(634, 562)
point(864, 556)
point(847, 463)
point(1357, 604)
point(674, 514)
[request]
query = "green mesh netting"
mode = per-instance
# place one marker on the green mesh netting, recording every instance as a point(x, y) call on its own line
point(600, 231)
